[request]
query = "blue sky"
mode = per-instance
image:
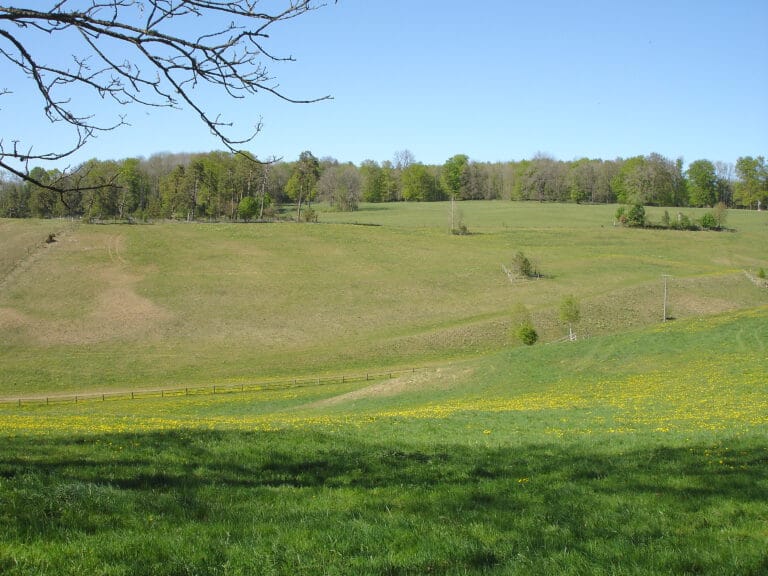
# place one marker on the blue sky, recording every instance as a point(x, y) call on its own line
point(496, 80)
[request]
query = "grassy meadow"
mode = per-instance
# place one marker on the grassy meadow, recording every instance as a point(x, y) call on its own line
point(641, 448)
point(120, 306)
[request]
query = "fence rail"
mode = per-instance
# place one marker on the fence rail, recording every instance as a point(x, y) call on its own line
point(184, 391)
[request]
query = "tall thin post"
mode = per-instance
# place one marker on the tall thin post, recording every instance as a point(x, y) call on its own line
point(665, 276)
point(453, 203)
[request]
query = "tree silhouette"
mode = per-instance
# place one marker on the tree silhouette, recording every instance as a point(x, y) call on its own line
point(153, 53)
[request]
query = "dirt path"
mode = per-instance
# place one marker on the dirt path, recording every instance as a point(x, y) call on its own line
point(437, 378)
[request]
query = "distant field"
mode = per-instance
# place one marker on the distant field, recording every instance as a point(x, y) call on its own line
point(120, 307)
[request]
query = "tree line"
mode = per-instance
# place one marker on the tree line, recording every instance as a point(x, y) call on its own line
point(236, 186)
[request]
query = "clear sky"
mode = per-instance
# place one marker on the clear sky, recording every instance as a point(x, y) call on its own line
point(494, 79)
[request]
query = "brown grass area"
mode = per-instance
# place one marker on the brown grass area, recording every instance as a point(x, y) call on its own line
point(111, 308)
point(438, 378)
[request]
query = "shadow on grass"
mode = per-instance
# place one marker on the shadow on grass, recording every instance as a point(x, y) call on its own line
point(665, 509)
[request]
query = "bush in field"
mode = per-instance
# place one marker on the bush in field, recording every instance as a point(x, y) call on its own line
point(527, 334)
point(721, 213)
point(633, 216)
point(522, 328)
point(684, 222)
point(709, 222)
point(524, 267)
point(636, 216)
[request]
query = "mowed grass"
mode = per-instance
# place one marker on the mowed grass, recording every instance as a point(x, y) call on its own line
point(637, 453)
point(123, 307)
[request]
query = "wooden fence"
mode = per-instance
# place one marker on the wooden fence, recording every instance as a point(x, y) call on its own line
point(176, 392)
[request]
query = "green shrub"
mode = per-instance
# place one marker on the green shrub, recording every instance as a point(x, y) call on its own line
point(761, 273)
point(709, 221)
point(526, 333)
point(522, 266)
point(684, 222)
point(636, 216)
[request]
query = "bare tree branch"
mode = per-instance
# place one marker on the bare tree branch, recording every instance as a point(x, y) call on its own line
point(143, 52)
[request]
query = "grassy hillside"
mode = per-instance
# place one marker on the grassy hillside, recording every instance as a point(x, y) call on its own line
point(641, 453)
point(116, 306)
point(638, 449)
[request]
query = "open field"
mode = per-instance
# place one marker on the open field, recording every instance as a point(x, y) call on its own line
point(119, 306)
point(638, 449)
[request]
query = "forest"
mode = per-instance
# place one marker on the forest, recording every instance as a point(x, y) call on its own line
point(221, 186)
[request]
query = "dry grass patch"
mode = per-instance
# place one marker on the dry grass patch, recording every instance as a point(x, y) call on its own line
point(78, 290)
point(438, 379)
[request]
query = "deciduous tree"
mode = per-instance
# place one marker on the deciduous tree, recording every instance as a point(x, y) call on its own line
point(150, 53)
point(570, 314)
point(751, 190)
point(702, 183)
point(301, 185)
point(452, 175)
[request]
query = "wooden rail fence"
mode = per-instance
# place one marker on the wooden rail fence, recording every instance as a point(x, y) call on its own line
point(182, 391)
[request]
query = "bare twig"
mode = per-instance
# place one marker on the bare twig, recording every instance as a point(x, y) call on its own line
point(145, 52)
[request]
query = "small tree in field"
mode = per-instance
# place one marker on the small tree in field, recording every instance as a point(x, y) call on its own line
point(524, 267)
point(570, 313)
point(522, 328)
point(720, 211)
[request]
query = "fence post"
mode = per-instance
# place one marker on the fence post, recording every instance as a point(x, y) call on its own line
point(131, 395)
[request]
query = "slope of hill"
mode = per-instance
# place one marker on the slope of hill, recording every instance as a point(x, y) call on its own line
point(116, 306)
point(637, 453)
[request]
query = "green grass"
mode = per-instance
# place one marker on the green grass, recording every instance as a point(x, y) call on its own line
point(640, 453)
point(316, 503)
point(639, 450)
point(130, 306)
